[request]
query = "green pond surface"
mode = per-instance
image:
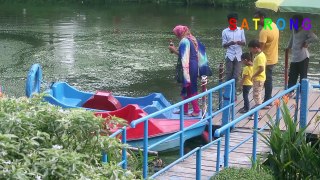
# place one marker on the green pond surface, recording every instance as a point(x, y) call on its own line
point(121, 48)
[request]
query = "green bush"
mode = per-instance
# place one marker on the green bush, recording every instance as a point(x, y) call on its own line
point(242, 174)
point(41, 141)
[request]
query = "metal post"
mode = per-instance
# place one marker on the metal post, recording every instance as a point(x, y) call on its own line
point(278, 114)
point(218, 157)
point(145, 150)
point(210, 117)
point(181, 129)
point(298, 94)
point(104, 157)
point(304, 103)
point(226, 101)
point(198, 164)
point(255, 137)
point(124, 150)
point(220, 82)
point(226, 148)
point(233, 101)
point(286, 65)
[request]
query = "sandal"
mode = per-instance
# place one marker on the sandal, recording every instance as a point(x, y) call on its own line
point(252, 117)
point(178, 112)
point(193, 114)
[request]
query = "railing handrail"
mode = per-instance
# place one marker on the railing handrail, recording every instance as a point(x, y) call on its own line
point(138, 121)
point(316, 86)
point(219, 131)
point(117, 132)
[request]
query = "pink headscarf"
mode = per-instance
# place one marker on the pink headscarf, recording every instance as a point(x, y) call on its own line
point(181, 31)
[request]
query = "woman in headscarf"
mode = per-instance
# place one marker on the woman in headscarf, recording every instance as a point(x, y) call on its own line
point(188, 55)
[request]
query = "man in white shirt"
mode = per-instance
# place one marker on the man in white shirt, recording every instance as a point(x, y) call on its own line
point(233, 39)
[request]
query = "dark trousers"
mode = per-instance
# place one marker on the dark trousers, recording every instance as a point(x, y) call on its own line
point(268, 83)
point(233, 69)
point(298, 69)
point(245, 94)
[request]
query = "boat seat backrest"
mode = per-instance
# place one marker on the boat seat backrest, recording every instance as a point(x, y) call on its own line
point(67, 94)
point(129, 113)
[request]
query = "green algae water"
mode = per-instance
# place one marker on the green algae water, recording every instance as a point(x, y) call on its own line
point(119, 48)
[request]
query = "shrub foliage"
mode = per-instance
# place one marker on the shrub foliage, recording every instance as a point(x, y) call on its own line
point(40, 141)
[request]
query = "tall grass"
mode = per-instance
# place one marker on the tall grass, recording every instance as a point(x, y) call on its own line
point(291, 157)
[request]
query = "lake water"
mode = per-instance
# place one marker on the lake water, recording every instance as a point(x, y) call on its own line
point(119, 48)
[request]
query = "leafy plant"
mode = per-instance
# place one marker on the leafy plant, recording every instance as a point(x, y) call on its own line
point(41, 141)
point(291, 156)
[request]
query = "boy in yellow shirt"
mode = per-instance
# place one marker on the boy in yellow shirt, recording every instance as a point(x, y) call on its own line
point(246, 82)
point(259, 73)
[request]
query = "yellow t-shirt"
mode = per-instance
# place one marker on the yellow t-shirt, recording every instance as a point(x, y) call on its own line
point(271, 40)
point(247, 70)
point(260, 60)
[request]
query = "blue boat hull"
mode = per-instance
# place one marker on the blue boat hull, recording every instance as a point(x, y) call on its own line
point(63, 95)
point(171, 143)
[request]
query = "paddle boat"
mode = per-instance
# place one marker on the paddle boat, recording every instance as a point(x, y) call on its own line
point(127, 108)
point(158, 128)
point(66, 96)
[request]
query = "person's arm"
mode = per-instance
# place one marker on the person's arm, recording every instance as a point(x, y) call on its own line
point(263, 39)
point(260, 70)
point(262, 44)
point(184, 55)
point(311, 37)
point(229, 44)
point(173, 49)
point(244, 77)
point(225, 42)
point(242, 42)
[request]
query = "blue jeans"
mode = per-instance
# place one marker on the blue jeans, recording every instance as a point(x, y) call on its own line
point(268, 83)
point(245, 94)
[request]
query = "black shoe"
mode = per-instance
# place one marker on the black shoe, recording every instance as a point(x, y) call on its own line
point(243, 110)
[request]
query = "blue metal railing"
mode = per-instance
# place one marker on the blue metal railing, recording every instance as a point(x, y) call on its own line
point(315, 86)
point(226, 126)
point(228, 86)
point(303, 117)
